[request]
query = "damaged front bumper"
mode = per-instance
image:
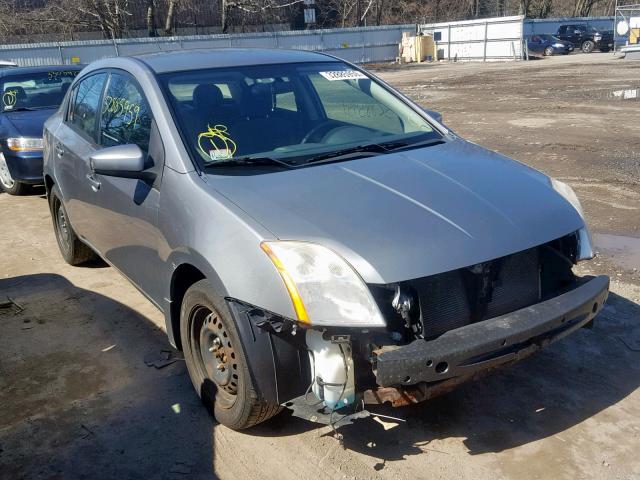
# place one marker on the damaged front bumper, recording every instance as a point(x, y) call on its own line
point(466, 351)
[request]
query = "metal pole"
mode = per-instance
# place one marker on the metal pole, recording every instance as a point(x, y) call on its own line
point(523, 47)
point(449, 42)
point(61, 57)
point(486, 31)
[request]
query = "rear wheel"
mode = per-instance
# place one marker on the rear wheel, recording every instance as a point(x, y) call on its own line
point(216, 362)
point(7, 182)
point(71, 247)
point(548, 51)
point(587, 46)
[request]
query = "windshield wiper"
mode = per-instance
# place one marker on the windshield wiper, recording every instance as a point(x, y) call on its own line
point(424, 143)
point(19, 109)
point(372, 149)
point(248, 161)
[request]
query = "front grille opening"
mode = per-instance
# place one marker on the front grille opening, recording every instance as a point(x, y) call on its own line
point(479, 292)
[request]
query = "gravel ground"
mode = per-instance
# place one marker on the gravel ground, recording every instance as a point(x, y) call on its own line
point(79, 401)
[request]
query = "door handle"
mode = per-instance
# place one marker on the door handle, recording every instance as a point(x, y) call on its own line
point(59, 150)
point(95, 183)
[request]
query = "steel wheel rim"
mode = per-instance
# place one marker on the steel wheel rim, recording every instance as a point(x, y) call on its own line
point(62, 225)
point(214, 354)
point(5, 176)
point(549, 51)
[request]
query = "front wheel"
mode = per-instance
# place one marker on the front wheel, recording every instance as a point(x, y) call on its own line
point(7, 182)
point(587, 46)
point(548, 51)
point(216, 362)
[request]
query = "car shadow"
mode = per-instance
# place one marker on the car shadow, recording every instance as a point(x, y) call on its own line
point(541, 396)
point(78, 398)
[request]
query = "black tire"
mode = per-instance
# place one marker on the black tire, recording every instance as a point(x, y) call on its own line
point(17, 189)
point(587, 46)
point(209, 339)
point(8, 184)
point(548, 51)
point(71, 247)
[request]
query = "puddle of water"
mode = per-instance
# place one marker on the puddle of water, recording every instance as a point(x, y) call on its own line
point(624, 250)
point(627, 94)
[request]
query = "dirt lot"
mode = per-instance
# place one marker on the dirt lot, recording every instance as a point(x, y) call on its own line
point(78, 401)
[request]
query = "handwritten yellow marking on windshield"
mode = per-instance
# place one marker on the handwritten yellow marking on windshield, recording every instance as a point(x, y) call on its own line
point(215, 143)
point(10, 98)
point(55, 75)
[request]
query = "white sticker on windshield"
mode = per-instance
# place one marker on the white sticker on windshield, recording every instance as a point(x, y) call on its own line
point(220, 154)
point(343, 75)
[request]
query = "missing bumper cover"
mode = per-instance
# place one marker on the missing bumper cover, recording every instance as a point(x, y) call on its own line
point(486, 344)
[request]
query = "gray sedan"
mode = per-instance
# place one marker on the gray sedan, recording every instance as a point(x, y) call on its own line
point(315, 240)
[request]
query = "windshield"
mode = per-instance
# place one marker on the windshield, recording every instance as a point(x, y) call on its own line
point(293, 113)
point(35, 90)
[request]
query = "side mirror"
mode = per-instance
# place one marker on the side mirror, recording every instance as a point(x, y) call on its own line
point(437, 116)
point(126, 161)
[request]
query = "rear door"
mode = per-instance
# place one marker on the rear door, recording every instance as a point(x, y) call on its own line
point(74, 142)
point(562, 33)
point(124, 220)
point(578, 33)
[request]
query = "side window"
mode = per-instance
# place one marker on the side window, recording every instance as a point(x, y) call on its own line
point(85, 103)
point(126, 117)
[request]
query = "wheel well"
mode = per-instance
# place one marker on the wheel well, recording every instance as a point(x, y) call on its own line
point(48, 183)
point(183, 277)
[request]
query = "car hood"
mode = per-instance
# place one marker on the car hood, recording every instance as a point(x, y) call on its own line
point(409, 214)
point(25, 124)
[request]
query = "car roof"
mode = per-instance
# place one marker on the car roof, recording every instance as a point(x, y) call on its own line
point(175, 61)
point(46, 68)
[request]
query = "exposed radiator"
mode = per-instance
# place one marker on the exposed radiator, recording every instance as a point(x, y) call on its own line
point(454, 299)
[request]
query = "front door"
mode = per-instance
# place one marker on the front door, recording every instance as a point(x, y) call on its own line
point(75, 141)
point(124, 222)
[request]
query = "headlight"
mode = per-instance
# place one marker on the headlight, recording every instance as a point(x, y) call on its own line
point(569, 195)
point(324, 288)
point(597, 37)
point(24, 144)
point(585, 244)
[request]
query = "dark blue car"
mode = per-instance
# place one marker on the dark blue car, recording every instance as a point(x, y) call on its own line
point(30, 95)
point(545, 44)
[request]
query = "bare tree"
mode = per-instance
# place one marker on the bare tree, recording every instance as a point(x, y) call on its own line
point(168, 24)
point(151, 18)
point(583, 7)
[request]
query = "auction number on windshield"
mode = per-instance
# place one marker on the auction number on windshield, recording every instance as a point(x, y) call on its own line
point(57, 75)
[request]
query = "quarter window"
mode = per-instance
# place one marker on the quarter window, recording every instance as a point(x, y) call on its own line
point(85, 104)
point(126, 117)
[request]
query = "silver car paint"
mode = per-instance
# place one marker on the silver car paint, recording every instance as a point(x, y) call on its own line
point(401, 216)
point(394, 217)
